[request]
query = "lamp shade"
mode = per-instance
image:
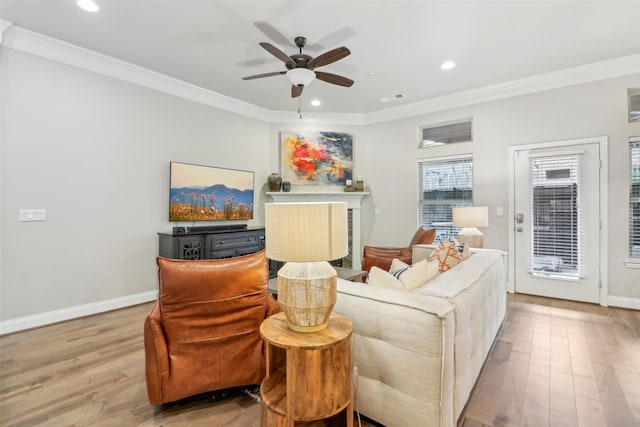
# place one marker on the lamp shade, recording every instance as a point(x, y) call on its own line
point(306, 232)
point(300, 76)
point(476, 216)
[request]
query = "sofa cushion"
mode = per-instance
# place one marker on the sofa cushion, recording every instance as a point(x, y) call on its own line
point(379, 277)
point(447, 255)
point(415, 275)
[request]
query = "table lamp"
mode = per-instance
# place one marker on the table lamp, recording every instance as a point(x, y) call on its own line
point(469, 218)
point(306, 236)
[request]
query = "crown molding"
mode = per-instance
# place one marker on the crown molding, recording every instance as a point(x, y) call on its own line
point(612, 68)
point(316, 118)
point(24, 40)
point(3, 27)
point(47, 47)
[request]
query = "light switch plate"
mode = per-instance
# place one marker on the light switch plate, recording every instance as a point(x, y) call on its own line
point(32, 215)
point(499, 211)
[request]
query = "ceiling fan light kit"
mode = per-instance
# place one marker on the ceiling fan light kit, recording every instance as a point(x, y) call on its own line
point(300, 76)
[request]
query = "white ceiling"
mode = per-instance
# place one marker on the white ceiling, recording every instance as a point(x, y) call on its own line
point(397, 46)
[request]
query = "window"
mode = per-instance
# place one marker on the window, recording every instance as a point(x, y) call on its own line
point(634, 104)
point(443, 185)
point(556, 244)
point(634, 199)
point(445, 133)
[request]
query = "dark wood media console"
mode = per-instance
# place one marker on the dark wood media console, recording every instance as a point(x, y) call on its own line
point(211, 242)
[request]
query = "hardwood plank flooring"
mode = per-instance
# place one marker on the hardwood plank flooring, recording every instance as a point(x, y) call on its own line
point(554, 363)
point(560, 363)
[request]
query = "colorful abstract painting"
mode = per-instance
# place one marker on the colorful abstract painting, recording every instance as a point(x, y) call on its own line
point(323, 158)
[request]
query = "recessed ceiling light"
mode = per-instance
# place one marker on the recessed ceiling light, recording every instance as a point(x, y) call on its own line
point(88, 5)
point(448, 65)
point(316, 102)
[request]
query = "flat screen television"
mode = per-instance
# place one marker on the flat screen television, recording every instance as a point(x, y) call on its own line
point(208, 193)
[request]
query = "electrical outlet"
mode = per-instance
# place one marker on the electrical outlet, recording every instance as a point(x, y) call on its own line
point(32, 215)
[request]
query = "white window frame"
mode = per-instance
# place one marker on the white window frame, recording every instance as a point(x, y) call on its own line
point(633, 261)
point(422, 202)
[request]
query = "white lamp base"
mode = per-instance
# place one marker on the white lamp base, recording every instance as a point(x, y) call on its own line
point(307, 292)
point(471, 236)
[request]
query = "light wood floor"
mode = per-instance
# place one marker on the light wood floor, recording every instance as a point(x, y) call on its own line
point(554, 363)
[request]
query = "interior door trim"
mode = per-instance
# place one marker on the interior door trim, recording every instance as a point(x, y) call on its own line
point(603, 238)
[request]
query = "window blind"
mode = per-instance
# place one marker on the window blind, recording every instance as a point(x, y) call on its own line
point(634, 199)
point(556, 215)
point(446, 133)
point(443, 185)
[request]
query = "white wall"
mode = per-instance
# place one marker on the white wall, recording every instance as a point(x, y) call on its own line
point(593, 109)
point(94, 152)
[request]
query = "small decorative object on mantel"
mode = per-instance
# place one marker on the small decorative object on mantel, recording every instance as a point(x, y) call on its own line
point(349, 188)
point(274, 180)
point(359, 184)
point(286, 186)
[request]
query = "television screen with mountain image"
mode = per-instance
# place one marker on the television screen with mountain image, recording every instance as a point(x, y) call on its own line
point(207, 193)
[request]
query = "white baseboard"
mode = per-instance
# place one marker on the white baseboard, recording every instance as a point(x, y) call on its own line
point(42, 319)
point(623, 302)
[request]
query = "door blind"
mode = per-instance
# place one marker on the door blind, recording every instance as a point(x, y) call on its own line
point(443, 185)
point(556, 216)
point(634, 199)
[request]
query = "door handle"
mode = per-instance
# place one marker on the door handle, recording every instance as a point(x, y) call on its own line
point(519, 229)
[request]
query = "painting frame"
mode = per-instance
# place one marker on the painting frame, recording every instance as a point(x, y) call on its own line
point(316, 157)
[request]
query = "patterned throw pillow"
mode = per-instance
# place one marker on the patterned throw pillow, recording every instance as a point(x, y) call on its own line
point(464, 250)
point(447, 254)
point(415, 275)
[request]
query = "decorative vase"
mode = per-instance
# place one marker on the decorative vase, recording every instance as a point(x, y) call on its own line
point(349, 186)
point(286, 186)
point(274, 180)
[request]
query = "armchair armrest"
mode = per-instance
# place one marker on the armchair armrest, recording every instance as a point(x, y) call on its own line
point(273, 306)
point(382, 257)
point(156, 357)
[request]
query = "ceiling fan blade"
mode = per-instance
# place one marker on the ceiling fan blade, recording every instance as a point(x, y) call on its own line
point(259, 76)
point(296, 91)
point(274, 34)
point(334, 79)
point(329, 57)
point(277, 53)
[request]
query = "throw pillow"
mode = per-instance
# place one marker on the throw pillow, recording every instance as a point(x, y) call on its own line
point(379, 277)
point(446, 254)
point(411, 276)
point(464, 250)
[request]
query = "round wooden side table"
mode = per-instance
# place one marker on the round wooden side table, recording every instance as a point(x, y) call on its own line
point(308, 379)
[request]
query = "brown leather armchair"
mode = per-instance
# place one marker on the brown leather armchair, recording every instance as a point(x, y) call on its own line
point(382, 257)
point(203, 333)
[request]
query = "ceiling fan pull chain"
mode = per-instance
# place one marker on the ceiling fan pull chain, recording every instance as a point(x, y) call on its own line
point(300, 107)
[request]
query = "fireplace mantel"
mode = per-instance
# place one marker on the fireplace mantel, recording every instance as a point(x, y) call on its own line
point(353, 200)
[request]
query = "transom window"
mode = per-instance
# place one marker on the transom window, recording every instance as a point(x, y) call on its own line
point(446, 133)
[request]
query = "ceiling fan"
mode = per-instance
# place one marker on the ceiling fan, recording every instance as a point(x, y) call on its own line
point(300, 67)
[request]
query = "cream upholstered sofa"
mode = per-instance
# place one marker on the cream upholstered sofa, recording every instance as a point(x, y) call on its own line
point(417, 355)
